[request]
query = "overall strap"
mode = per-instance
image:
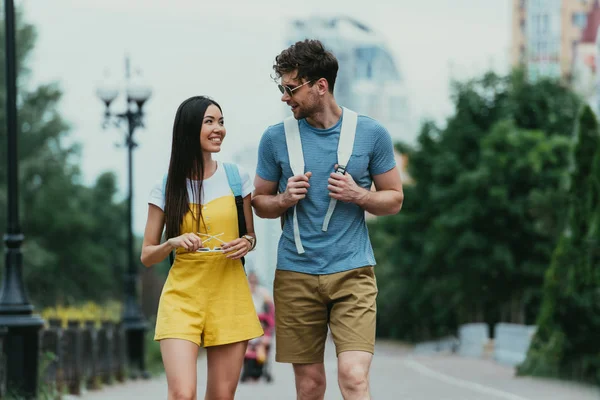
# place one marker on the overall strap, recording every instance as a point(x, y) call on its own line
point(294, 149)
point(344, 152)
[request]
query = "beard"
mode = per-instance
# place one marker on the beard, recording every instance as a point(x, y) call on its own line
point(306, 110)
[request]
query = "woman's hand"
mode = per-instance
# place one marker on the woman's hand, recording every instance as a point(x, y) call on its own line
point(237, 248)
point(188, 241)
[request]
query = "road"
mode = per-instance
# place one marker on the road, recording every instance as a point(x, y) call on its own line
point(397, 374)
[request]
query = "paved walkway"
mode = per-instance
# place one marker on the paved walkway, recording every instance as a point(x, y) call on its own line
point(396, 374)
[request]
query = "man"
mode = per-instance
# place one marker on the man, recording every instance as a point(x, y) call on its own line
point(324, 275)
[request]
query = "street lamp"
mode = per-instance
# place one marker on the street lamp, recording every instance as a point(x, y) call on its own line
point(21, 343)
point(133, 321)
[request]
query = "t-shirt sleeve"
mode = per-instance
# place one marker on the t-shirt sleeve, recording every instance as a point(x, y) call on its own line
point(157, 194)
point(382, 158)
point(267, 167)
point(247, 185)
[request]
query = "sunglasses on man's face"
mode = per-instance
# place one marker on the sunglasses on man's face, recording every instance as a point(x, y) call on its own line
point(290, 90)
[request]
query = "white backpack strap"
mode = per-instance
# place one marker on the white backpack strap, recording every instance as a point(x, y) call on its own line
point(294, 145)
point(345, 146)
point(294, 148)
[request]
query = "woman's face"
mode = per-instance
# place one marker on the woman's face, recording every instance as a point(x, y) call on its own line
point(213, 130)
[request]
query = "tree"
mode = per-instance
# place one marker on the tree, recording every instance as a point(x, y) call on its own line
point(477, 228)
point(517, 189)
point(74, 235)
point(566, 342)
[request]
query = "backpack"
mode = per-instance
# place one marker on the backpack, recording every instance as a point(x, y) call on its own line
point(296, 156)
point(235, 184)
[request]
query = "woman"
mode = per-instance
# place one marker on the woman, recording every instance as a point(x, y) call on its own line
point(206, 299)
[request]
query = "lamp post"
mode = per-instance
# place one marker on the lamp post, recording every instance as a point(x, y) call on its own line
point(21, 343)
point(133, 321)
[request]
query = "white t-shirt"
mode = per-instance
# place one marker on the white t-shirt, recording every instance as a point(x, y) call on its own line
point(212, 188)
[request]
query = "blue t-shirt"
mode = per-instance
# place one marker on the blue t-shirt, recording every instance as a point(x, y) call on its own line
point(346, 243)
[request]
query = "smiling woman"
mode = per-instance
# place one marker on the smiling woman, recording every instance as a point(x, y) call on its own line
point(213, 130)
point(206, 299)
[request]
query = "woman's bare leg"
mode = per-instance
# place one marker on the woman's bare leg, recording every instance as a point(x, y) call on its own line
point(180, 358)
point(224, 367)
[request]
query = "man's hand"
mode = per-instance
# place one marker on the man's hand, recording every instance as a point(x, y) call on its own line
point(296, 189)
point(343, 188)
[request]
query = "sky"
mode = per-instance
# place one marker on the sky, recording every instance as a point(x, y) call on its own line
point(225, 49)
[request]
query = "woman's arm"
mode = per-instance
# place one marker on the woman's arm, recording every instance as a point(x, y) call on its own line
point(249, 217)
point(153, 251)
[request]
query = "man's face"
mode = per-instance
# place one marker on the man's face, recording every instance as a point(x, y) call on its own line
point(300, 95)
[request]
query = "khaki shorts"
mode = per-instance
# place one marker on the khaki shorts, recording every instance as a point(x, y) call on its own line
point(306, 304)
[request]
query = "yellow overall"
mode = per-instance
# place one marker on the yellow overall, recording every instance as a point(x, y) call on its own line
point(206, 298)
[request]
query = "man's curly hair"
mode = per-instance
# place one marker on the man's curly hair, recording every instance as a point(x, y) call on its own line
point(310, 59)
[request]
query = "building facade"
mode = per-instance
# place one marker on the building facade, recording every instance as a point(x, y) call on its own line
point(545, 34)
point(585, 60)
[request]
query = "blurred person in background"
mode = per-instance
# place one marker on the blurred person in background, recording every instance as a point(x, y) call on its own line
point(256, 361)
point(206, 299)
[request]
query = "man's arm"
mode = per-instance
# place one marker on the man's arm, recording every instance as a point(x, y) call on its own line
point(385, 200)
point(268, 203)
point(388, 196)
point(265, 200)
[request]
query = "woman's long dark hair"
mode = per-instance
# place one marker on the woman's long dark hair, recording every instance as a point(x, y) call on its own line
point(186, 162)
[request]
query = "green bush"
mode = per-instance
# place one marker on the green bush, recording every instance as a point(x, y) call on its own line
point(567, 342)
